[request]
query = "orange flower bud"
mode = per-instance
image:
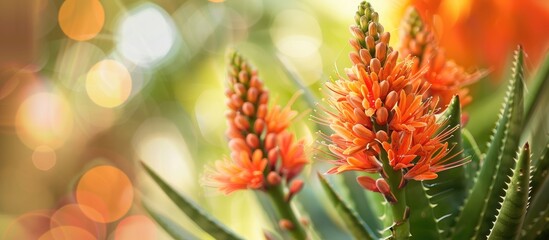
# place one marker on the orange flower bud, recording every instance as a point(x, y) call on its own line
point(264, 97)
point(243, 76)
point(391, 100)
point(385, 189)
point(241, 122)
point(273, 178)
point(375, 65)
point(262, 111)
point(365, 55)
point(296, 186)
point(285, 224)
point(381, 116)
point(381, 51)
point(270, 141)
point(239, 89)
point(259, 125)
point(252, 94)
point(355, 58)
point(248, 109)
point(252, 140)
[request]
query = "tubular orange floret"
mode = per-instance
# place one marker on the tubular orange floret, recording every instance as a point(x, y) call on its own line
point(445, 76)
point(263, 152)
point(383, 111)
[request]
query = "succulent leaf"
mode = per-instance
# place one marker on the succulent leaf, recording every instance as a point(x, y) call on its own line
point(170, 226)
point(205, 221)
point(470, 149)
point(513, 209)
point(359, 229)
point(539, 225)
point(423, 223)
point(540, 171)
point(358, 198)
point(540, 87)
point(448, 190)
point(480, 208)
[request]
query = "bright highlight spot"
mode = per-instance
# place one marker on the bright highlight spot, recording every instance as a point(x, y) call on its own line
point(146, 36)
point(72, 215)
point(160, 145)
point(108, 83)
point(136, 227)
point(67, 233)
point(107, 191)
point(81, 20)
point(44, 158)
point(44, 119)
point(296, 33)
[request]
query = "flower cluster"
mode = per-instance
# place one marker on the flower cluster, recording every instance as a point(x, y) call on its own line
point(382, 114)
point(445, 76)
point(263, 151)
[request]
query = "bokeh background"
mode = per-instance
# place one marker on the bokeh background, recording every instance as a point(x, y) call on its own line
point(89, 88)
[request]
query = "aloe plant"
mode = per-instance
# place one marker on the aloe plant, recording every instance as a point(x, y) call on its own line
point(413, 159)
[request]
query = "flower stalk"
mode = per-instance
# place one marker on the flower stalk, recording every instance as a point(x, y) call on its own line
point(401, 212)
point(278, 198)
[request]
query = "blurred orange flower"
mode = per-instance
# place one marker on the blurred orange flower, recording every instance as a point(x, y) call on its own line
point(495, 27)
point(262, 150)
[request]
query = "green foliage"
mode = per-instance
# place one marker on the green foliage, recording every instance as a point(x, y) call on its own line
point(192, 210)
point(354, 223)
point(470, 149)
point(480, 209)
point(171, 227)
point(423, 221)
point(448, 190)
point(513, 209)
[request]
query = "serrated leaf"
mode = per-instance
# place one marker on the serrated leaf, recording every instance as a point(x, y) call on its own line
point(538, 203)
point(423, 223)
point(541, 171)
point(359, 229)
point(205, 221)
point(448, 190)
point(175, 230)
point(470, 149)
point(364, 208)
point(537, 227)
point(513, 209)
point(480, 209)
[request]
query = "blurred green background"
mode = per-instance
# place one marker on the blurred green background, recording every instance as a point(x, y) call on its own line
point(85, 83)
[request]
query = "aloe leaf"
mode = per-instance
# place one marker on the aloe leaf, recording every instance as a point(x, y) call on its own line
point(538, 203)
point(513, 209)
point(470, 149)
point(447, 192)
point(480, 208)
point(359, 229)
point(540, 87)
point(175, 230)
point(537, 227)
point(423, 223)
point(193, 211)
point(541, 170)
point(358, 198)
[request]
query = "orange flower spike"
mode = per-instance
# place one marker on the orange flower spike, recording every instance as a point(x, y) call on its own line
point(445, 76)
point(263, 152)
